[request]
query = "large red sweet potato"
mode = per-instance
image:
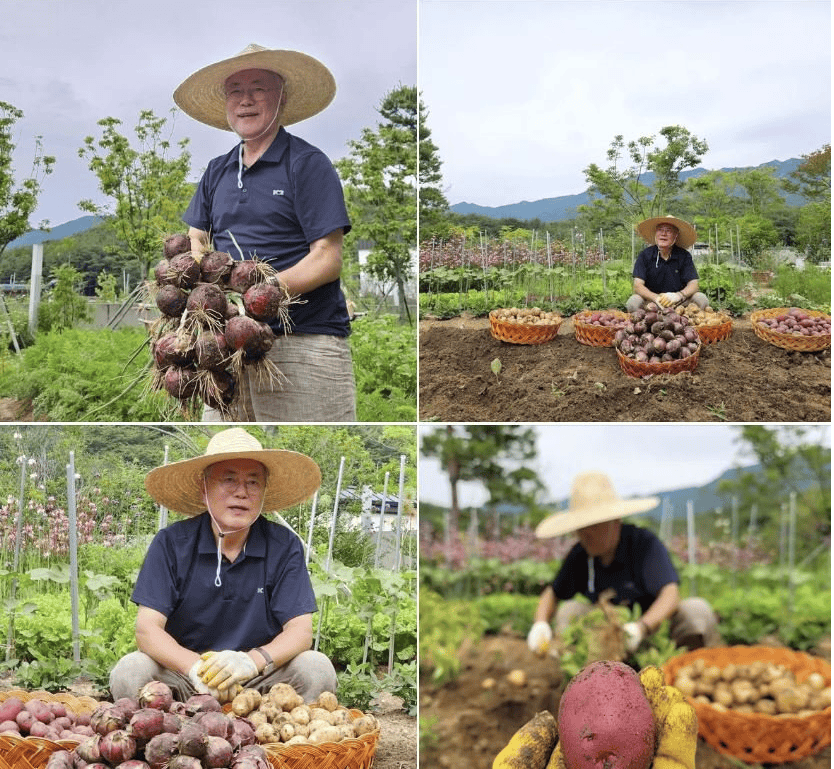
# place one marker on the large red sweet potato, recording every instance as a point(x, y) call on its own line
point(606, 720)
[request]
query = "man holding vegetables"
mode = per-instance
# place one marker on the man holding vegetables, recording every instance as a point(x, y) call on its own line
point(612, 554)
point(278, 198)
point(664, 272)
point(224, 596)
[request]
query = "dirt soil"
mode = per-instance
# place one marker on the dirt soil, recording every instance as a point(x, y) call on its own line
point(396, 749)
point(465, 724)
point(740, 379)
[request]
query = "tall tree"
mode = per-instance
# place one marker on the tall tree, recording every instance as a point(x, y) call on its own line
point(813, 181)
point(433, 203)
point(649, 184)
point(380, 177)
point(496, 455)
point(149, 189)
point(18, 201)
point(813, 176)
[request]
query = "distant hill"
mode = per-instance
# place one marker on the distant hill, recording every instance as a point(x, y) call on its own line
point(564, 207)
point(59, 232)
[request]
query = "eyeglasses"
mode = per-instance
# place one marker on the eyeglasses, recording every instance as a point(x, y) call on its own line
point(256, 93)
point(230, 484)
point(666, 228)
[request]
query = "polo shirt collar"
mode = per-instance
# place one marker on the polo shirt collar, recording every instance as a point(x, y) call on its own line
point(255, 543)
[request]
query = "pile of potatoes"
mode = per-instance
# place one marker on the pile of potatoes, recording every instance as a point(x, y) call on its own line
point(280, 715)
point(699, 317)
point(528, 316)
point(757, 687)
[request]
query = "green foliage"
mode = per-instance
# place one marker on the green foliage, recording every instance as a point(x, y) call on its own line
point(507, 611)
point(812, 282)
point(149, 189)
point(444, 627)
point(385, 368)
point(483, 576)
point(64, 307)
point(81, 375)
point(106, 287)
point(18, 201)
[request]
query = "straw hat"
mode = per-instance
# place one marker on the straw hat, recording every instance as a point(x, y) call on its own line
point(308, 85)
point(292, 477)
point(592, 500)
point(686, 232)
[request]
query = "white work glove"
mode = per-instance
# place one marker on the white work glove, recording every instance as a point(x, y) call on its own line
point(669, 298)
point(539, 636)
point(196, 681)
point(222, 670)
point(634, 636)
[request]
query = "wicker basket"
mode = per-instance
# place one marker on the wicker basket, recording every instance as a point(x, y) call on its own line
point(635, 368)
point(521, 333)
point(792, 342)
point(716, 333)
point(355, 753)
point(595, 336)
point(754, 737)
point(17, 752)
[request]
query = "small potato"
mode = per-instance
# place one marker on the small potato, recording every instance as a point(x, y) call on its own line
point(685, 685)
point(702, 699)
point(266, 733)
point(328, 701)
point(257, 718)
point(743, 708)
point(822, 699)
point(346, 732)
point(766, 706)
point(284, 696)
point(319, 714)
point(711, 674)
point(301, 714)
point(298, 740)
point(286, 732)
point(728, 673)
point(318, 724)
point(722, 694)
point(246, 701)
point(791, 700)
point(816, 681)
point(326, 734)
point(743, 691)
point(339, 717)
point(365, 724)
point(270, 710)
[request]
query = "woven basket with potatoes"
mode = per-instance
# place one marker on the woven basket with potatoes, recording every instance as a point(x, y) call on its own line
point(524, 326)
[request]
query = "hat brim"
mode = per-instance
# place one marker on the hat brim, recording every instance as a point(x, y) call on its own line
point(309, 86)
point(686, 232)
point(572, 520)
point(292, 478)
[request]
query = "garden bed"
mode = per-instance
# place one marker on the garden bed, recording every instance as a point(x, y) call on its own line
point(740, 379)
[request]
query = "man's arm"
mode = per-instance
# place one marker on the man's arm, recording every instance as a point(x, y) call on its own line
point(689, 290)
point(663, 607)
point(296, 637)
point(323, 264)
point(641, 289)
point(157, 643)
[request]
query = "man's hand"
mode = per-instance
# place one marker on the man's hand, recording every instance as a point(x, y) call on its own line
point(669, 298)
point(633, 636)
point(222, 670)
point(539, 637)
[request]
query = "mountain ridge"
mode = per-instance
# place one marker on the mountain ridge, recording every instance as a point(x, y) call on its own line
point(565, 206)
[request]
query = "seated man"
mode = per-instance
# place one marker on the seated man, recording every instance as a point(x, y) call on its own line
point(664, 271)
point(224, 596)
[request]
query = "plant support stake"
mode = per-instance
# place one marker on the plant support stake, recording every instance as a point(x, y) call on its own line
point(73, 549)
point(330, 548)
point(690, 537)
point(16, 561)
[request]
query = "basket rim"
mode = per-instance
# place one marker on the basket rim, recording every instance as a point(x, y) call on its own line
point(689, 367)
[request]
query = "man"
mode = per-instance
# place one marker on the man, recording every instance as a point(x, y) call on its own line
point(627, 558)
point(664, 271)
point(224, 596)
point(278, 198)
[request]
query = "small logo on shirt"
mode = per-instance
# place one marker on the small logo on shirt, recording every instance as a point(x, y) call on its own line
point(260, 590)
point(277, 192)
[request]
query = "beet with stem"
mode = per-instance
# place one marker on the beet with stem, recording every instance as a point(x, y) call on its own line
point(176, 244)
point(211, 352)
point(184, 270)
point(216, 266)
point(207, 303)
point(171, 301)
point(249, 336)
point(265, 301)
point(180, 382)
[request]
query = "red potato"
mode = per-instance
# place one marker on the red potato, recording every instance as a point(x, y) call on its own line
point(606, 720)
point(10, 708)
point(40, 710)
point(25, 719)
point(9, 726)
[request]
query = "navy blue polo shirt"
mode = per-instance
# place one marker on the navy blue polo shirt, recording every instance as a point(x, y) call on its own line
point(641, 567)
point(661, 276)
point(264, 587)
point(289, 198)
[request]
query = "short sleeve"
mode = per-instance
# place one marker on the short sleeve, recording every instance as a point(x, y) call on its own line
point(156, 584)
point(319, 198)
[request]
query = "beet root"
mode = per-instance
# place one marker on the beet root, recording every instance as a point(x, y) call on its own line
point(106, 718)
point(161, 749)
point(199, 702)
point(243, 733)
point(156, 694)
point(146, 723)
point(218, 753)
point(171, 301)
point(211, 352)
point(133, 763)
point(218, 389)
point(60, 759)
point(216, 266)
point(207, 302)
point(180, 382)
point(250, 757)
point(184, 762)
point(264, 301)
point(193, 740)
point(117, 746)
point(176, 244)
point(255, 339)
point(171, 350)
point(215, 722)
point(184, 270)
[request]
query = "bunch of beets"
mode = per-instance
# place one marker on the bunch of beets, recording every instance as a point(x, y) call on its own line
point(657, 335)
point(154, 731)
point(215, 319)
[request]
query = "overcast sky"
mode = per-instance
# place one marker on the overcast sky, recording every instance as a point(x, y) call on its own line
point(69, 63)
point(522, 95)
point(639, 459)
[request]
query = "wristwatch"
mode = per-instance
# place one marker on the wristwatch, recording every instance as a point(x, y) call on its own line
point(270, 665)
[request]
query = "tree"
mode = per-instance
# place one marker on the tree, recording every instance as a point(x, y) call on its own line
point(496, 455)
point(813, 177)
point(813, 181)
point(150, 190)
point(794, 460)
point(380, 178)
point(17, 202)
point(627, 196)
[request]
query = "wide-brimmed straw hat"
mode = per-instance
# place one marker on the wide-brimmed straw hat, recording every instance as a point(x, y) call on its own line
point(686, 232)
point(592, 500)
point(308, 85)
point(292, 477)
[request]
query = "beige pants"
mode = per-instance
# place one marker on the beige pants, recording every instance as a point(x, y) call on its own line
point(318, 384)
point(636, 302)
point(693, 625)
point(310, 674)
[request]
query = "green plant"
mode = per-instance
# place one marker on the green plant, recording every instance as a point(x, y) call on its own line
point(64, 307)
point(444, 626)
point(358, 685)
